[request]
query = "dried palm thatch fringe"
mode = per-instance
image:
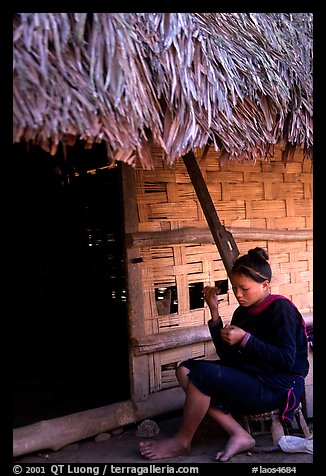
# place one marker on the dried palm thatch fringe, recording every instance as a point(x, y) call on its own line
point(240, 81)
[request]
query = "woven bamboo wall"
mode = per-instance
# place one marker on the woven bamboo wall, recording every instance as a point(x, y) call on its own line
point(267, 195)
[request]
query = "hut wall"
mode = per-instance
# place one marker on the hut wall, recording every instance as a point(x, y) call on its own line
point(265, 195)
point(169, 246)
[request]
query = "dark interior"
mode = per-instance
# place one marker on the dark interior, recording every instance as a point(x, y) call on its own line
point(70, 334)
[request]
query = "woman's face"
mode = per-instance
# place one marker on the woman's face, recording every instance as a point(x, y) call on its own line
point(247, 291)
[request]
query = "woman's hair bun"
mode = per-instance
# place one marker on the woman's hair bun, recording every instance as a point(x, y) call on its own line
point(259, 252)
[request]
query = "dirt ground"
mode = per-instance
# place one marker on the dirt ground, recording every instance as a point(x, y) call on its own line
point(123, 448)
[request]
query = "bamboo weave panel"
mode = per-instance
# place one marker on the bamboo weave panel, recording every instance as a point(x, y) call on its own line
point(265, 194)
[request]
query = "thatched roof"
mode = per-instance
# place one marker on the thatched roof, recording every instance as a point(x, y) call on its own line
point(240, 81)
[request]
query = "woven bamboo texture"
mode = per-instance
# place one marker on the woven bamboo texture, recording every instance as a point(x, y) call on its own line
point(267, 195)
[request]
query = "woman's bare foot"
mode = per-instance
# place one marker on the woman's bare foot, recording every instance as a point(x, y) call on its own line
point(160, 449)
point(236, 444)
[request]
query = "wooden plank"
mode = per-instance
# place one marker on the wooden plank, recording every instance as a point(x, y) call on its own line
point(167, 340)
point(138, 366)
point(59, 432)
point(204, 235)
point(223, 239)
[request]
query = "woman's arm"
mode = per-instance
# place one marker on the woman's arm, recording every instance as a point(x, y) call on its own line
point(210, 296)
point(223, 349)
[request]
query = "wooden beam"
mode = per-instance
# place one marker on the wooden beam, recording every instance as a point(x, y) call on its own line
point(223, 239)
point(204, 235)
point(59, 432)
point(167, 340)
point(178, 337)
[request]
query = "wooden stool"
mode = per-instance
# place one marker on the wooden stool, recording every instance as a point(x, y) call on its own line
point(276, 427)
point(301, 421)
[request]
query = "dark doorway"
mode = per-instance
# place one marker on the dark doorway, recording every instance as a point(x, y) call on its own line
point(71, 337)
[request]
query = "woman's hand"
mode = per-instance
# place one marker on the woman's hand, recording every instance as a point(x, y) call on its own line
point(232, 334)
point(210, 296)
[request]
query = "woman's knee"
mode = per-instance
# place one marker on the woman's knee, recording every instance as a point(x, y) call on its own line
point(182, 375)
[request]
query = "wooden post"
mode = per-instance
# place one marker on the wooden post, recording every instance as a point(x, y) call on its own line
point(223, 239)
point(139, 369)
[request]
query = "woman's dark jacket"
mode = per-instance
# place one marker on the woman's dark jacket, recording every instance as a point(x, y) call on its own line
point(274, 347)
